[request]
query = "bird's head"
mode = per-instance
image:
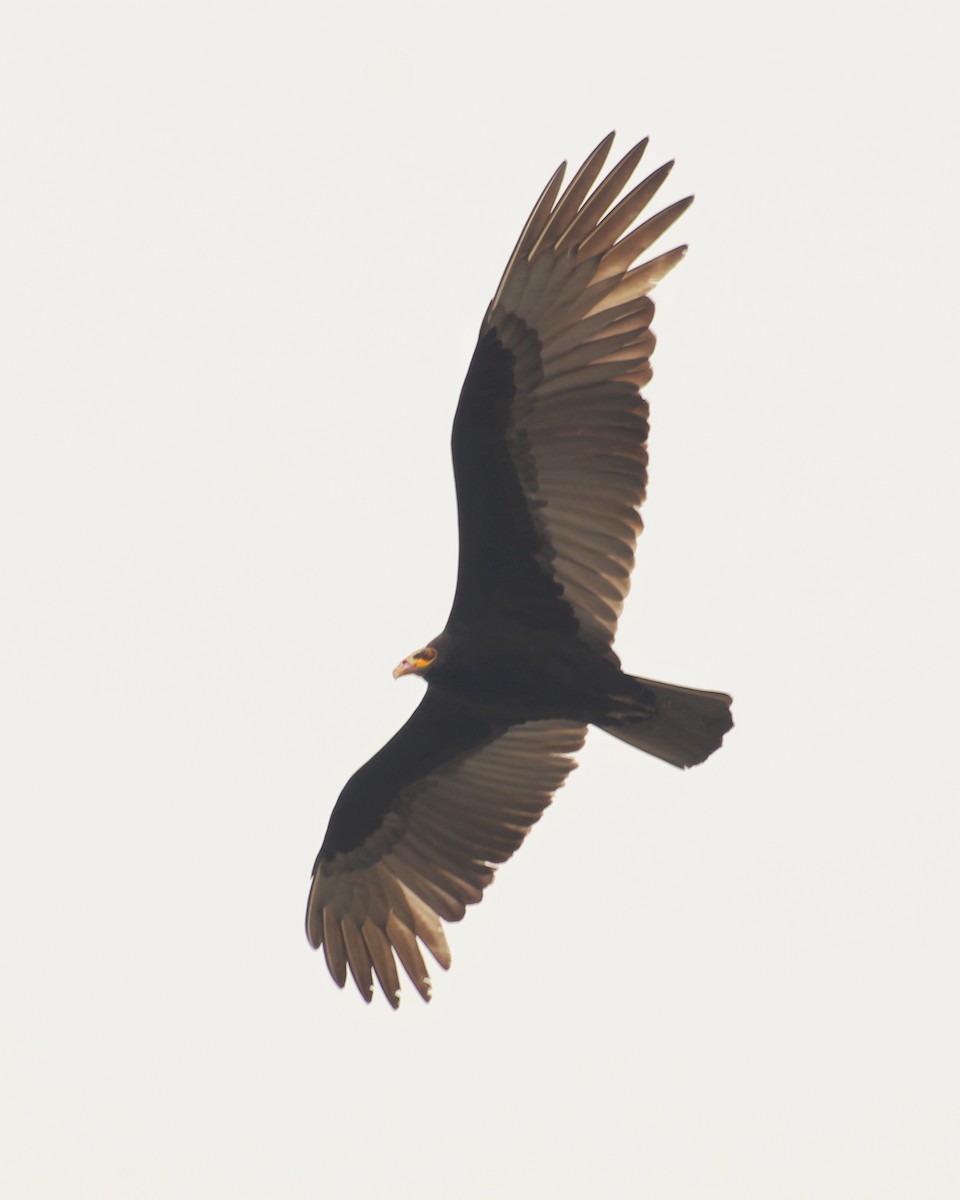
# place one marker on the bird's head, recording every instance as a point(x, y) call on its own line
point(418, 663)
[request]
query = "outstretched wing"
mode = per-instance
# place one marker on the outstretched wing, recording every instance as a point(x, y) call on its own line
point(418, 831)
point(549, 440)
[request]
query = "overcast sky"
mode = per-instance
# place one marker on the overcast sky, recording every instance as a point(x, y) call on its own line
point(245, 252)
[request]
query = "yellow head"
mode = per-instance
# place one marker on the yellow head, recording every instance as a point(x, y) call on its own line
point(416, 663)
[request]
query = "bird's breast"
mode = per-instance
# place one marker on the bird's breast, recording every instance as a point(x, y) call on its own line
point(522, 674)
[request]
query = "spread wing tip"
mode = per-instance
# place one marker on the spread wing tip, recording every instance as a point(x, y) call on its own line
point(370, 949)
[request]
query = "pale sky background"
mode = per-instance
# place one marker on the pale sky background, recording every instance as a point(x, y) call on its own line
point(245, 252)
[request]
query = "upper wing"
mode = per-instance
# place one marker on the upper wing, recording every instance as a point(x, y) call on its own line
point(549, 440)
point(416, 833)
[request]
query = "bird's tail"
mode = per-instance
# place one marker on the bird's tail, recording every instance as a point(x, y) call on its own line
point(687, 726)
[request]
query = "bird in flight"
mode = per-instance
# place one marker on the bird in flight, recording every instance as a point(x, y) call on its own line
point(550, 455)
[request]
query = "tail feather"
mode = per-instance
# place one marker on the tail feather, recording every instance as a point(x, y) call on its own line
point(686, 728)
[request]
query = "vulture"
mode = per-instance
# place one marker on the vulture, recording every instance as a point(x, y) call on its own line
point(550, 455)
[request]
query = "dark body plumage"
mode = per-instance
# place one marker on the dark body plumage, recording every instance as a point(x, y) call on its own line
point(549, 451)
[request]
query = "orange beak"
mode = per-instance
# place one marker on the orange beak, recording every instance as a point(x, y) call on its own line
point(407, 667)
